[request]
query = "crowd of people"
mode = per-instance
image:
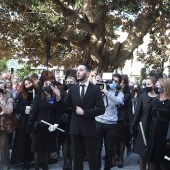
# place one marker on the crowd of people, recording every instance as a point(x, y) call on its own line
point(82, 115)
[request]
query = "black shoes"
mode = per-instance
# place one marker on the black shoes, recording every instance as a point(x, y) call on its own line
point(65, 167)
point(69, 166)
point(26, 166)
point(120, 164)
point(113, 163)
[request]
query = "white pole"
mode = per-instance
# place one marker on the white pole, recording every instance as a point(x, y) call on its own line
point(167, 158)
point(143, 134)
point(46, 123)
point(33, 93)
point(51, 124)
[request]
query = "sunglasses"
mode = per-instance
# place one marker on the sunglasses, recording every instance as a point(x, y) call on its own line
point(1, 90)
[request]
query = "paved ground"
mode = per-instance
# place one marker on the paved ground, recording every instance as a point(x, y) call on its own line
point(130, 163)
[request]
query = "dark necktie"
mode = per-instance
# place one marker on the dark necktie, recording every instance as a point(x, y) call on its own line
point(82, 92)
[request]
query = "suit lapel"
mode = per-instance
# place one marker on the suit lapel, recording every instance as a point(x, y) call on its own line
point(78, 92)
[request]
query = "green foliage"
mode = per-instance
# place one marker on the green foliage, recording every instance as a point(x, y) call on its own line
point(78, 5)
point(24, 72)
point(142, 74)
point(3, 66)
point(157, 52)
point(129, 6)
point(80, 31)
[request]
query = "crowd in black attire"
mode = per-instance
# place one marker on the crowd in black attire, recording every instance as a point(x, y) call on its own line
point(74, 109)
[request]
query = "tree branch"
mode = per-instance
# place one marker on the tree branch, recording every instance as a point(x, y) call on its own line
point(84, 25)
point(140, 28)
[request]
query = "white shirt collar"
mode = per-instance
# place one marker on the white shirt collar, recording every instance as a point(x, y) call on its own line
point(86, 84)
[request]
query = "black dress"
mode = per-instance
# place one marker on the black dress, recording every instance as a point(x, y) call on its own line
point(157, 144)
point(65, 125)
point(125, 117)
point(43, 140)
point(21, 151)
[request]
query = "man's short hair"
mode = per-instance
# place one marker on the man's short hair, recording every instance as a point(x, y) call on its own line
point(87, 67)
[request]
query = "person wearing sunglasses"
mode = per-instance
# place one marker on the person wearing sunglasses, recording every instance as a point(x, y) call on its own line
point(6, 108)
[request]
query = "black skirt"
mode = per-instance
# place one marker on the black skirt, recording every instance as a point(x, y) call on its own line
point(43, 140)
point(121, 132)
point(65, 135)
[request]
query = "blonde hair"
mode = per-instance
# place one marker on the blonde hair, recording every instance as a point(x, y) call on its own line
point(165, 83)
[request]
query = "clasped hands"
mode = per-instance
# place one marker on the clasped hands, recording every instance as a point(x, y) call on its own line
point(53, 127)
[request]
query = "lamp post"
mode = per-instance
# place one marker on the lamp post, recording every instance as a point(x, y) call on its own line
point(48, 47)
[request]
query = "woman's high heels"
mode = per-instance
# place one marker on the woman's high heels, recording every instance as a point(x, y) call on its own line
point(65, 166)
point(69, 166)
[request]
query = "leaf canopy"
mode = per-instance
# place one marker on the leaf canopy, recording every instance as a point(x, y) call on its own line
point(80, 31)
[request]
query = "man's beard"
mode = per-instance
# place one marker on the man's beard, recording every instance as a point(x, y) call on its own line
point(83, 77)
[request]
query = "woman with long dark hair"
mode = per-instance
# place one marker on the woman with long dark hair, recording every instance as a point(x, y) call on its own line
point(124, 118)
point(142, 114)
point(65, 125)
point(21, 150)
point(46, 107)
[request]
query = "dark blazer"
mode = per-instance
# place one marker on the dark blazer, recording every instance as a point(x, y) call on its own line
point(142, 114)
point(92, 105)
point(157, 143)
point(125, 110)
point(41, 110)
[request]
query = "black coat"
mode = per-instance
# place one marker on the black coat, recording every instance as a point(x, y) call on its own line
point(125, 110)
point(157, 144)
point(142, 112)
point(43, 140)
point(21, 151)
point(92, 105)
point(125, 118)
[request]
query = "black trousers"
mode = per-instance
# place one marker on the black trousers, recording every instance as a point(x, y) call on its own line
point(84, 146)
point(106, 133)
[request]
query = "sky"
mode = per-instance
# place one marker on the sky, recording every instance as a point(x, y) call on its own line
point(133, 67)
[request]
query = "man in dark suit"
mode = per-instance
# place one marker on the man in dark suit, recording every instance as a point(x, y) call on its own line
point(87, 103)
